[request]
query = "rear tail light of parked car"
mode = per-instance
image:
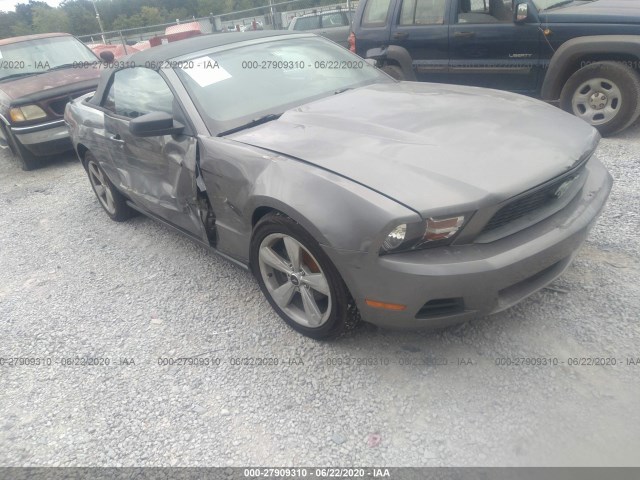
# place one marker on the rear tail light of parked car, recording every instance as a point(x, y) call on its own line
point(27, 113)
point(431, 233)
point(352, 42)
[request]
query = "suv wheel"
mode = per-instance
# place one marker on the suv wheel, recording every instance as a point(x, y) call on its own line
point(393, 71)
point(605, 95)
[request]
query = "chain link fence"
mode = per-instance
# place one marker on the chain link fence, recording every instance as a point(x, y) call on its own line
point(274, 16)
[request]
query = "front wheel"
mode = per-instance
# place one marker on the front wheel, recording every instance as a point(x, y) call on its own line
point(298, 278)
point(605, 95)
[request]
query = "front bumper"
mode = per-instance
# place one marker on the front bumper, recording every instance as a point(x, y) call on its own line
point(449, 285)
point(45, 139)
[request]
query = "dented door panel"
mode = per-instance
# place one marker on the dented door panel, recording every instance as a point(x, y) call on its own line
point(158, 174)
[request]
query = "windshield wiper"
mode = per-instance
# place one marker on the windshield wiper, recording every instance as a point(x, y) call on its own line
point(18, 75)
point(342, 90)
point(252, 123)
point(60, 67)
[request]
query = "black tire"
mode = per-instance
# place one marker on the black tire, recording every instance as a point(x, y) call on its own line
point(115, 206)
point(337, 309)
point(26, 159)
point(393, 71)
point(605, 95)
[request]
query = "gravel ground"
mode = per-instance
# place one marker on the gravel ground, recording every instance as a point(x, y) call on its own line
point(74, 284)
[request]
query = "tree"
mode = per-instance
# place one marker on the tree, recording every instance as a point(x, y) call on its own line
point(7, 21)
point(151, 16)
point(47, 19)
point(177, 14)
point(82, 16)
point(24, 11)
point(21, 28)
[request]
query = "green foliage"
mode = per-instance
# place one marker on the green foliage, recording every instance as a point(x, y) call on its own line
point(47, 19)
point(79, 16)
point(20, 28)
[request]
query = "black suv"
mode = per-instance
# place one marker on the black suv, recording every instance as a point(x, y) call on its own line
point(583, 55)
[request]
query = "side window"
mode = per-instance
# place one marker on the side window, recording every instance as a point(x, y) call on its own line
point(375, 13)
point(138, 91)
point(333, 20)
point(423, 12)
point(307, 23)
point(485, 11)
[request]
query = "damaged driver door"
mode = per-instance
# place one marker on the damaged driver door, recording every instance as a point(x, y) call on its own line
point(158, 173)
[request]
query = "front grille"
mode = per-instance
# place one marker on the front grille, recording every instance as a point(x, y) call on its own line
point(529, 202)
point(440, 307)
point(58, 105)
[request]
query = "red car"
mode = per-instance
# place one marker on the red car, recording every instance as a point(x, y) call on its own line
point(39, 74)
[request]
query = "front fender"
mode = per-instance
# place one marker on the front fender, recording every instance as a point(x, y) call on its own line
point(395, 54)
point(336, 211)
point(564, 60)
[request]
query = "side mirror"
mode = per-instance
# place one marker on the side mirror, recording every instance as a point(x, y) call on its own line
point(107, 56)
point(155, 124)
point(522, 13)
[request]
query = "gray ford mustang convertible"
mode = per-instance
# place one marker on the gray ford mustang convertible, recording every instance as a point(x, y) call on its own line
point(347, 193)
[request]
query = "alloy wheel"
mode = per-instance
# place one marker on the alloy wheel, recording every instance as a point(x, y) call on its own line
point(102, 187)
point(294, 280)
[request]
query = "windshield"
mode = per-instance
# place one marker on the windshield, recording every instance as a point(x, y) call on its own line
point(547, 4)
point(37, 56)
point(234, 87)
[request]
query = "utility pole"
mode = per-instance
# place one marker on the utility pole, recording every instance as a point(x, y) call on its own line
point(273, 15)
point(99, 21)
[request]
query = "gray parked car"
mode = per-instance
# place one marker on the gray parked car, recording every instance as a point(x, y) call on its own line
point(346, 192)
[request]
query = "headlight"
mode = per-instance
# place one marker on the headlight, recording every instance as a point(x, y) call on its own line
point(27, 113)
point(395, 238)
point(431, 233)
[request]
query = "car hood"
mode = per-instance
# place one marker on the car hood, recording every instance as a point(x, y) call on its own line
point(600, 11)
point(431, 147)
point(38, 85)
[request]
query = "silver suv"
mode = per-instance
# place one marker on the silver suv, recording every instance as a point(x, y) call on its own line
point(332, 24)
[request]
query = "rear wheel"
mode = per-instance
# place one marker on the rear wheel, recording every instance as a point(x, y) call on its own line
point(298, 278)
point(605, 95)
point(111, 200)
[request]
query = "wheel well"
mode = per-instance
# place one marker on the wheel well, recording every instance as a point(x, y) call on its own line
point(82, 150)
point(393, 62)
point(260, 212)
point(632, 61)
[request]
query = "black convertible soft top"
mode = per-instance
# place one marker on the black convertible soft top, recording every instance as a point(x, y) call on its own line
point(169, 51)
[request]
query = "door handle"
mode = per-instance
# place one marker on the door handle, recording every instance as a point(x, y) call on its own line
point(464, 34)
point(399, 35)
point(116, 138)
